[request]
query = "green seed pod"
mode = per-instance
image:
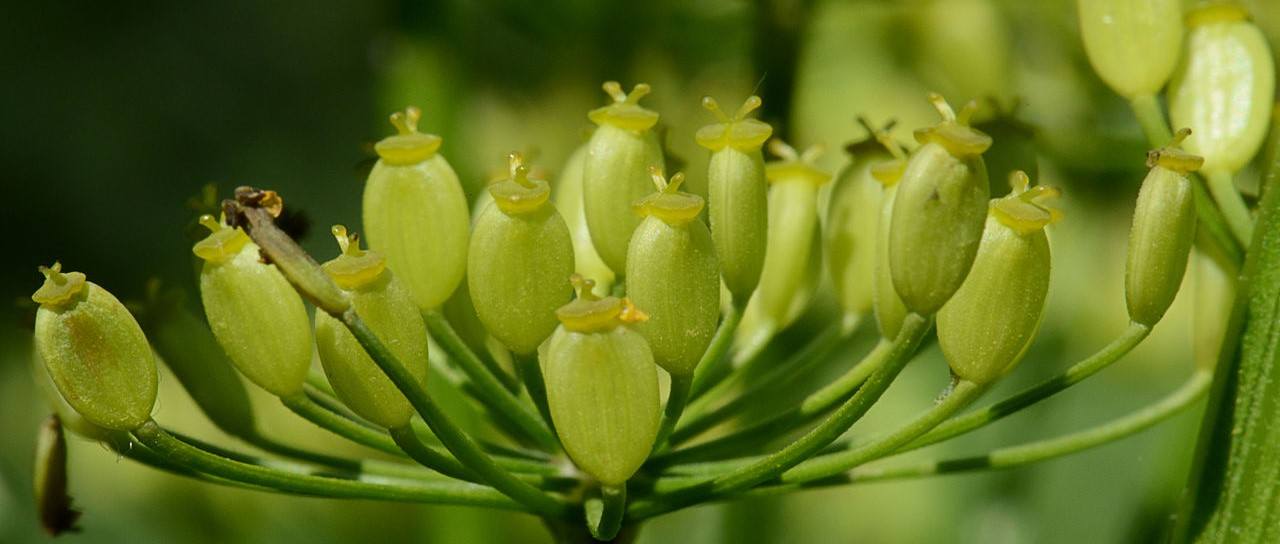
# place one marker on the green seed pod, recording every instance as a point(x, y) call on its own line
point(888, 306)
point(738, 193)
point(71, 419)
point(985, 329)
point(1133, 44)
point(672, 273)
point(793, 226)
point(568, 196)
point(386, 306)
point(94, 351)
point(616, 172)
point(602, 386)
point(939, 211)
point(853, 217)
point(415, 213)
point(254, 312)
point(1164, 225)
point(49, 480)
point(521, 252)
point(1224, 88)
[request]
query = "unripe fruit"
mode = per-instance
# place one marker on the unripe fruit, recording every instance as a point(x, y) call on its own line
point(853, 216)
point(986, 327)
point(256, 315)
point(673, 274)
point(738, 194)
point(888, 306)
point(939, 211)
point(568, 197)
point(415, 213)
point(1225, 87)
point(49, 480)
point(94, 351)
point(1164, 226)
point(521, 252)
point(793, 230)
point(616, 172)
point(602, 386)
point(1133, 44)
point(385, 305)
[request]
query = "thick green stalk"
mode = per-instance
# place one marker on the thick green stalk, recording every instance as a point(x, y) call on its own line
point(531, 374)
point(914, 329)
point(1223, 189)
point(408, 441)
point(604, 513)
point(330, 421)
point(714, 365)
point(492, 392)
point(677, 399)
point(173, 450)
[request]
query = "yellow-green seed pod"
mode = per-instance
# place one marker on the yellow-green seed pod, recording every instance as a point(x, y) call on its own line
point(49, 480)
point(1224, 89)
point(568, 198)
point(1164, 226)
point(385, 305)
point(256, 315)
point(673, 274)
point(793, 227)
point(415, 213)
point(94, 351)
point(939, 211)
point(888, 306)
point(616, 172)
point(521, 252)
point(985, 329)
point(1134, 45)
point(738, 194)
point(853, 217)
point(71, 419)
point(602, 386)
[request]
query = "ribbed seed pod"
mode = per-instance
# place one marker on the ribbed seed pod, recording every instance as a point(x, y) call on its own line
point(71, 419)
point(939, 211)
point(738, 194)
point(1225, 87)
point(853, 217)
point(602, 386)
point(1164, 225)
point(385, 305)
point(415, 213)
point(94, 351)
point(986, 327)
point(521, 252)
point(616, 172)
point(568, 198)
point(673, 274)
point(888, 306)
point(793, 226)
point(1133, 44)
point(256, 315)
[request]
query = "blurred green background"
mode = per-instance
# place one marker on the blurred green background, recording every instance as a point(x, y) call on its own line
point(113, 115)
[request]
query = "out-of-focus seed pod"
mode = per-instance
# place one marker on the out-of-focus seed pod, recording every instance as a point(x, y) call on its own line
point(521, 252)
point(49, 480)
point(989, 323)
point(738, 193)
point(673, 274)
point(793, 225)
point(1164, 226)
point(602, 386)
point(1134, 45)
point(616, 172)
point(853, 217)
point(386, 306)
point(568, 197)
point(1215, 292)
point(939, 211)
point(1224, 88)
point(415, 213)
point(888, 306)
point(255, 314)
point(94, 351)
point(185, 344)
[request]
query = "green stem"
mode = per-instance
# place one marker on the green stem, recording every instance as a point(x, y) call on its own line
point(463, 448)
point(773, 427)
point(677, 399)
point(166, 446)
point(1122, 345)
point(960, 395)
point(715, 363)
point(492, 392)
point(531, 374)
point(1232, 204)
point(311, 411)
point(408, 441)
point(914, 329)
point(1150, 116)
point(604, 513)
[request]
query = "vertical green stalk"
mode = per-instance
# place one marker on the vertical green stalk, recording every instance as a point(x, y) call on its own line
point(531, 373)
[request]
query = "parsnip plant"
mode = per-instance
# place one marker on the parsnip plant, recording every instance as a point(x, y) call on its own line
point(590, 288)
